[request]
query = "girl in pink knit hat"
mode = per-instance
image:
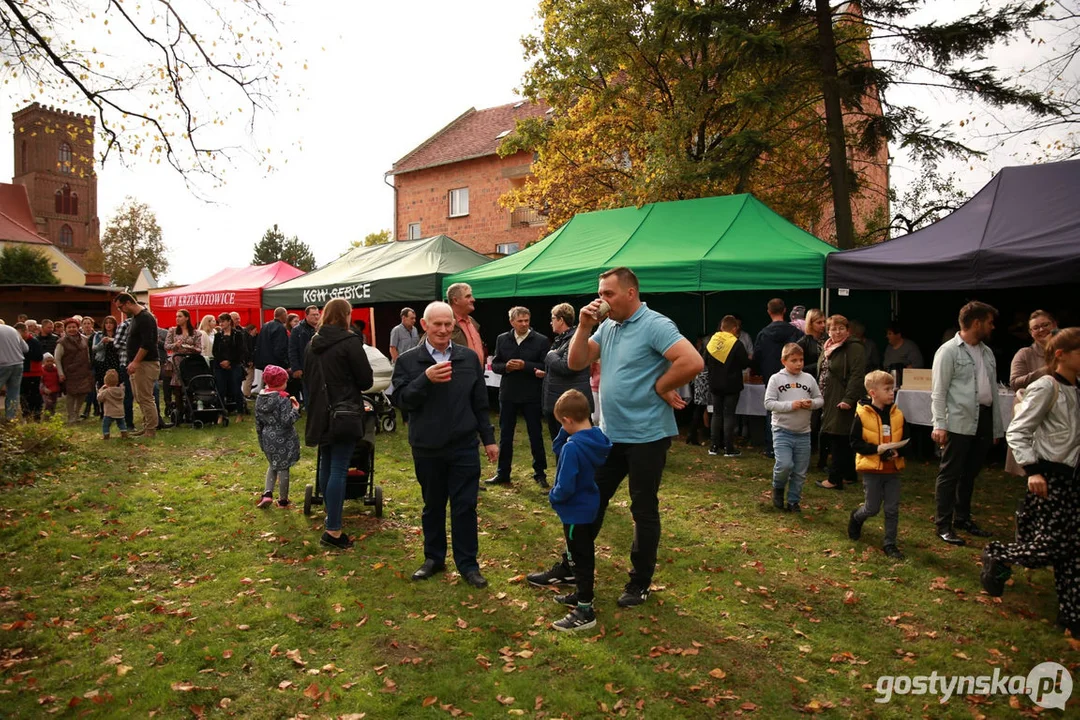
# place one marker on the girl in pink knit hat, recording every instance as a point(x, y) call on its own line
point(276, 413)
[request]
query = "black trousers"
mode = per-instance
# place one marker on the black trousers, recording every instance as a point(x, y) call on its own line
point(1048, 532)
point(724, 420)
point(554, 426)
point(644, 463)
point(581, 552)
point(508, 412)
point(843, 464)
point(452, 474)
point(961, 460)
point(30, 397)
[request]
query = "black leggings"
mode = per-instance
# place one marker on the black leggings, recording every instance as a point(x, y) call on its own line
point(580, 548)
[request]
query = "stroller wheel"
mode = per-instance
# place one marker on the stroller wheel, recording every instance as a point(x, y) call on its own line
point(378, 501)
point(388, 424)
point(197, 424)
point(307, 500)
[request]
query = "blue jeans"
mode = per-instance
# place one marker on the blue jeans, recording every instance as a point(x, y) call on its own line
point(333, 469)
point(11, 379)
point(106, 424)
point(792, 461)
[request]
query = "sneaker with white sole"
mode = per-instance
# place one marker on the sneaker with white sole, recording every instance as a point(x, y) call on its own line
point(581, 617)
point(265, 501)
point(633, 595)
point(559, 574)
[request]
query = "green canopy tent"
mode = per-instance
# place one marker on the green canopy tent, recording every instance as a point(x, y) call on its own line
point(711, 244)
point(407, 271)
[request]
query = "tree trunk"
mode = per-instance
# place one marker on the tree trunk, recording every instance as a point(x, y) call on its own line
point(834, 127)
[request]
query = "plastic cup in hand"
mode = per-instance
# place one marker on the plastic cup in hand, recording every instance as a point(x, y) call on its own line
point(602, 310)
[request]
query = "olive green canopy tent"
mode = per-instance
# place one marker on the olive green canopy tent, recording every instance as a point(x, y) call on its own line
point(404, 271)
point(733, 242)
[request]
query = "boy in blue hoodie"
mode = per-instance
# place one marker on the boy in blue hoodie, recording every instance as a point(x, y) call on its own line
point(579, 449)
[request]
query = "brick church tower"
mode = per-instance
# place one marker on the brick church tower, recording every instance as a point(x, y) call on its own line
point(54, 159)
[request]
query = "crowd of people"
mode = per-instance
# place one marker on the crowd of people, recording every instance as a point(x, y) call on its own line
point(625, 364)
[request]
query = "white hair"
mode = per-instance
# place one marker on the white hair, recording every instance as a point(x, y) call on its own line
point(437, 306)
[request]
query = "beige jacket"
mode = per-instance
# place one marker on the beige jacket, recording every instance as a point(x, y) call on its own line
point(1028, 365)
point(112, 401)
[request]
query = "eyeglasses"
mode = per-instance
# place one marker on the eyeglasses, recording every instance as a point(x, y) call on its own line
point(1041, 326)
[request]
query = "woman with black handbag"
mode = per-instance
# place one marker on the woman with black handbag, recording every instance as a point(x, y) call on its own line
point(336, 372)
point(1045, 441)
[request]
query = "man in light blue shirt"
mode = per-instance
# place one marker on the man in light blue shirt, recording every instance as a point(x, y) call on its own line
point(644, 360)
point(964, 405)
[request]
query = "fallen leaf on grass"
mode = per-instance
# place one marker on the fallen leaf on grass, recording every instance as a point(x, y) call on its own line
point(294, 655)
point(389, 685)
point(226, 655)
point(429, 701)
point(850, 598)
point(717, 673)
point(312, 691)
point(184, 686)
point(123, 670)
point(461, 624)
point(516, 579)
point(284, 685)
point(503, 700)
point(352, 716)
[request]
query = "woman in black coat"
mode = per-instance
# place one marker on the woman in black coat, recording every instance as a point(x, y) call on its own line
point(336, 372)
point(230, 351)
point(558, 377)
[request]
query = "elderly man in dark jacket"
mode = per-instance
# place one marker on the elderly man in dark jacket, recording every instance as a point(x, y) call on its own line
point(298, 341)
point(519, 358)
point(558, 377)
point(272, 344)
point(440, 385)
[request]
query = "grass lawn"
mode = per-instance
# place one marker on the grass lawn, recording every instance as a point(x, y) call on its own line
point(138, 579)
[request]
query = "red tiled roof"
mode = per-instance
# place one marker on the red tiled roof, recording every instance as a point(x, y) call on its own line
point(473, 134)
point(16, 219)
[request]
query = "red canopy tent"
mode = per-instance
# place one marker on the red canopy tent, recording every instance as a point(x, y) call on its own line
point(232, 289)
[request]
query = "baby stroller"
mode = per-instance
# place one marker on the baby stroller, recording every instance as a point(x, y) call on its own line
point(202, 404)
point(385, 413)
point(360, 481)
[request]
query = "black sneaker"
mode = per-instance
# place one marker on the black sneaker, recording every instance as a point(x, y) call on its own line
point(778, 498)
point(714, 450)
point(732, 453)
point(338, 543)
point(993, 575)
point(972, 529)
point(541, 480)
point(893, 552)
point(580, 618)
point(567, 599)
point(854, 527)
point(559, 574)
point(794, 508)
point(633, 595)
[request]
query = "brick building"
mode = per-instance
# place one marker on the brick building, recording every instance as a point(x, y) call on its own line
point(54, 160)
point(451, 184)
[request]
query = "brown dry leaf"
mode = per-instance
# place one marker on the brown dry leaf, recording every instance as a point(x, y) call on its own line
point(226, 654)
point(312, 691)
point(294, 655)
point(805, 648)
point(461, 624)
point(184, 686)
point(389, 685)
point(850, 598)
point(243, 627)
point(197, 711)
point(516, 579)
point(352, 716)
point(801, 679)
point(960, 655)
point(429, 701)
point(284, 685)
point(717, 673)
point(539, 702)
point(503, 700)
point(113, 660)
point(123, 670)
point(748, 706)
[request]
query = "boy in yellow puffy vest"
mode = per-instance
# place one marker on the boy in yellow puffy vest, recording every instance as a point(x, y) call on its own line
point(878, 422)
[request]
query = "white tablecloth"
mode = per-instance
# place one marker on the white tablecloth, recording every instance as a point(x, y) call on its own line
point(915, 404)
point(751, 401)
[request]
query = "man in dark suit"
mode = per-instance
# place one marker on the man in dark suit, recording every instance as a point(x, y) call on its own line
point(519, 358)
point(272, 345)
point(440, 386)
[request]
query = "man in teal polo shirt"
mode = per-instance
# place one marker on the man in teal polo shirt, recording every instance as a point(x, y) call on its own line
point(644, 360)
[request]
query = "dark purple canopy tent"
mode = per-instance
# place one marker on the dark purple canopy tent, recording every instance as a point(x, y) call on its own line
point(1022, 229)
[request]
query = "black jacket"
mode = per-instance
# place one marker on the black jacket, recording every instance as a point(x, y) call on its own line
point(232, 347)
point(520, 385)
point(298, 342)
point(770, 344)
point(560, 377)
point(336, 363)
point(811, 352)
point(272, 346)
point(726, 378)
point(443, 415)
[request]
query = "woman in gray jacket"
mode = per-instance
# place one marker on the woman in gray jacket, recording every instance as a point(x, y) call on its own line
point(558, 377)
point(1045, 441)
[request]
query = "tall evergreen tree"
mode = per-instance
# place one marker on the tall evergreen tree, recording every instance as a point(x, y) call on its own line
point(274, 247)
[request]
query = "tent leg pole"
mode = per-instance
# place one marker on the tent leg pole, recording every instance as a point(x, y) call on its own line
point(826, 303)
point(821, 300)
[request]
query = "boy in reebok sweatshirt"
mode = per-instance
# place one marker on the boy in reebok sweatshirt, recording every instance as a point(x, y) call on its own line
point(791, 397)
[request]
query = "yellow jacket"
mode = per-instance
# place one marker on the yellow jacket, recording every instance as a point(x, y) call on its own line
point(867, 432)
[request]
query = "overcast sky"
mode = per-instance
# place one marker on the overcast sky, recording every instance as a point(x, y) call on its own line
point(381, 78)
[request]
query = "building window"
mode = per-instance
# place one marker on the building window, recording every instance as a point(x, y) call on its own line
point(67, 238)
point(459, 202)
point(507, 248)
point(65, 158)
point(414, 231)
point(66, 202)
